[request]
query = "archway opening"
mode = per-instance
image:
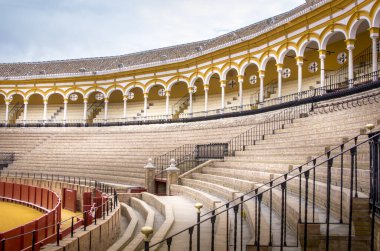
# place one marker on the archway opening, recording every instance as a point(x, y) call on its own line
point(179, 96)
point(115, 106)
point(135, 102)
point(214, 93)
point(35, 109)
point(2, 107)
point(270, 80)
point(311, 77)
point(74, 107)
point(156, 100)
point(55, 106)
point(232, 89)
point(16, 107)
point(251, 83)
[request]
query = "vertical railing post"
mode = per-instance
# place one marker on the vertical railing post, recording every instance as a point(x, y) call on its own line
point(213, 230)
point(353, 156)
point(328, 202)
point(306, 205)
point(191, 230)
point(146, 231)
point(374, 165)
point(260, 197)
point(198, 206)
point(236, 210)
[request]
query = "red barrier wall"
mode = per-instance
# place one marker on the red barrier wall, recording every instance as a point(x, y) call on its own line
point(41, 198)
point(69, 199)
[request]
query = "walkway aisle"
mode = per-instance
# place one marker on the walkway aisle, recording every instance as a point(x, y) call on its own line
point(185, 216)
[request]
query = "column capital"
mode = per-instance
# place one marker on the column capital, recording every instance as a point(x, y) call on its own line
point(222, 83)
point(279, 67)
point(299, 60)
point(45, 101)
point(105, 100)
point(240, 78)
point(65, 100)
point(7, 101)
point(322, 54)
point(125, 97)
point(25, 102)
point(205, 87)
point(146, 95)
point(261, 73)
point(191, 89)
point(85, 100)
point(350, 44)
point(167, 93)
point(374, 32)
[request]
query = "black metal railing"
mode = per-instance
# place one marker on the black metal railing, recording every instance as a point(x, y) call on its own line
point(106, 207)
point(189, 156)
point(362, 65)
point(313, 220)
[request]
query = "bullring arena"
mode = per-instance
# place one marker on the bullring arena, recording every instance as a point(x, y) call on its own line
point(265, 138)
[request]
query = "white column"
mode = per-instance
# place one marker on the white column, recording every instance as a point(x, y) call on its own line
point(191, 101)
point(261, 95)
point(167, 102)
point(374, 37)
point(64, 110)
point(25, 111)
point(241, 81)
point(279, 80)
point(7, 111)
point(223, 86)
point(206, 98)
point(125, 99)
point(45, 110)
point(85, 102)
point(299, 64)
point(350, 49)
point(322, 58)
point(105, 110)
point(145, 104)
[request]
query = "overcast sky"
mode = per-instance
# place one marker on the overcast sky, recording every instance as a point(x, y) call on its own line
point(36, 30)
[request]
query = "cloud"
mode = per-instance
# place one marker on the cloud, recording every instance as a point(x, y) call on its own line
point(36, 30)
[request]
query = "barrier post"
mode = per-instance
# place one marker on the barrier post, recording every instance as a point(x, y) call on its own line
point(33, 240)
point(3, 244)
point(72, 227)
point(85, 220)
point(58, 233)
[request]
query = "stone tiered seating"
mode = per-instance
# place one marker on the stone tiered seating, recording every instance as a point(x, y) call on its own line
point(297, 143)
point(87, 152)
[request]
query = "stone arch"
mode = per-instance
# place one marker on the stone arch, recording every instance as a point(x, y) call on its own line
point(113, 88)
point(265, 58)
point(32, 92)
point(155, 82)
point(304, 42)
point(94, 89)
point(193, 79)
point(208, 77)
point(54, 91)
point(375, 14)
point(227, 68)
point(284, 52)
point(134, 85)
point(246, 63)
point(329, 32)
point(354, 24)
point(72, 90)
point(174, 80)
point(15, 92)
